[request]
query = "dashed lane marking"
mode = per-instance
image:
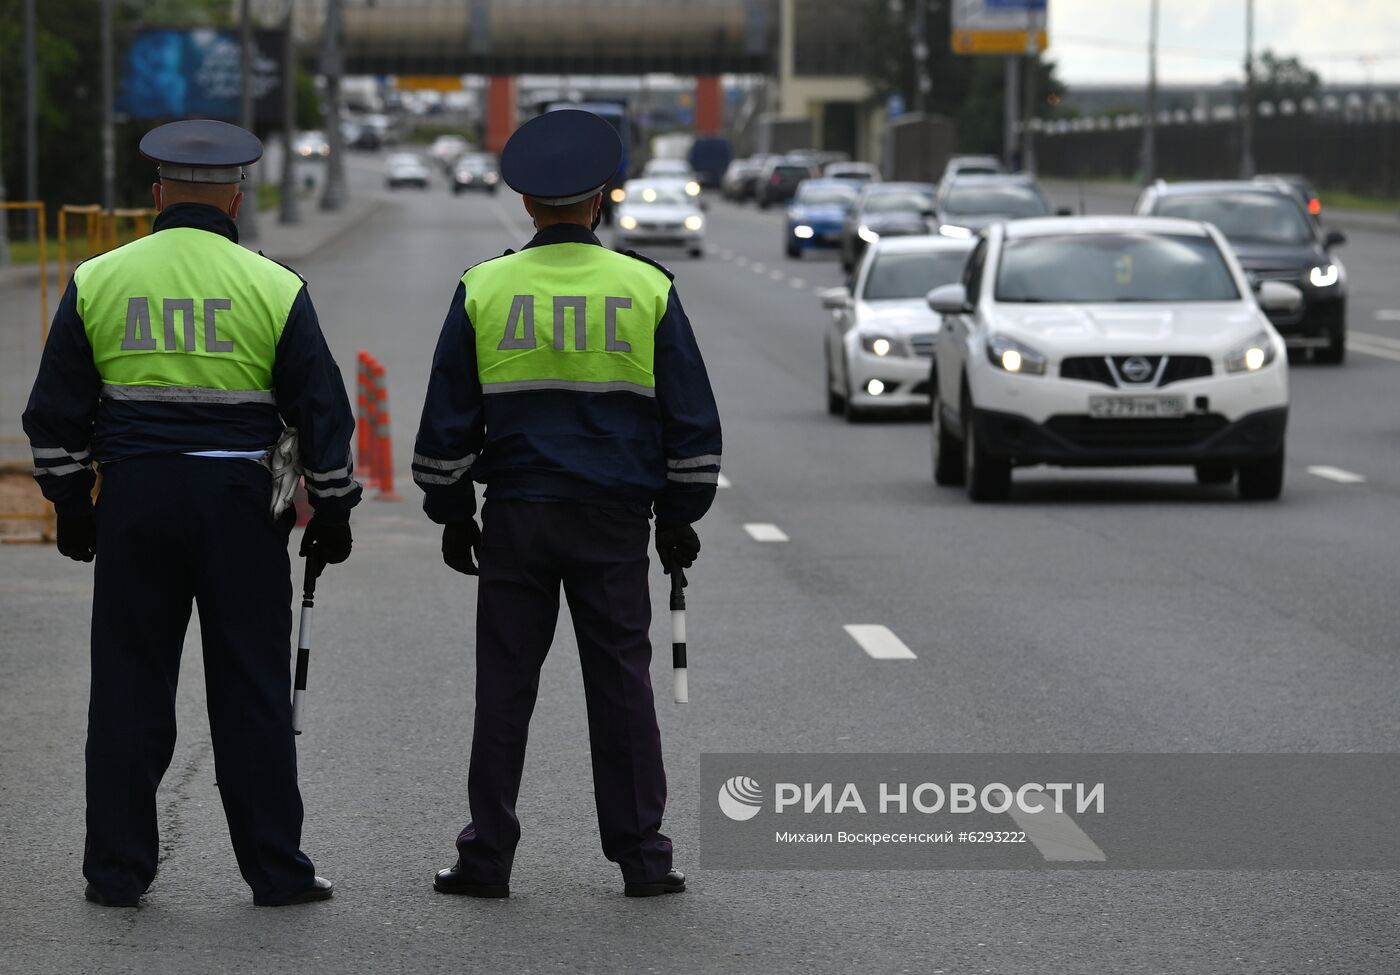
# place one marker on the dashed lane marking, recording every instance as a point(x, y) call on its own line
point(764, 532)
point(879, 641)
point(1055, 834)
point(757, 267)
point(776, 275)
point(1336, 474)
point(798, 283)
point(723, 482)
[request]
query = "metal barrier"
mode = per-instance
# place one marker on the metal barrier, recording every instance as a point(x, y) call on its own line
point(101, 230)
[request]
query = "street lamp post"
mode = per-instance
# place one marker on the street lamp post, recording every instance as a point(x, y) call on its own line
point(1247, 109)
point(290, 213)
point(1149, 122)
point(109, 144)
point(332, 66)
point(247, 64)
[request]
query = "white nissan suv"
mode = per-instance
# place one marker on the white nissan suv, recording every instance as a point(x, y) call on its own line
point(1108, 341)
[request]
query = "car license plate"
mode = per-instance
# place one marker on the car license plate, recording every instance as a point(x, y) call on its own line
point(1118, 407)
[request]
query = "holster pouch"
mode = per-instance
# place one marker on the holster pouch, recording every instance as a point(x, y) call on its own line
point(284, 461)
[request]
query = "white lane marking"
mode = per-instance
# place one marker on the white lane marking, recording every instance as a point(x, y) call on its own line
point(1388, 315)
point(879, 641)
point(1382, 340)
point(1054, 834)
point(764, 532)
point(723, 482)
point(757, 267)
point(798, 283)
point(741, 260)
point(776, 275)
point(1336, 474)
point(1380, 352)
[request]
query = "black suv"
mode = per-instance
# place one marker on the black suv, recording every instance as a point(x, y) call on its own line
point(1275, 239)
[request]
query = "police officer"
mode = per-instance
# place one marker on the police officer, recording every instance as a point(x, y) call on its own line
point(176, 362)
point(568, 381)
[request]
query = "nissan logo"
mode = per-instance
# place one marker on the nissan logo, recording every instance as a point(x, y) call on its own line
point(1136, 369)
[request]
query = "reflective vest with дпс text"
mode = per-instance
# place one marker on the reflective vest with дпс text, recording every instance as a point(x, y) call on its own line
point(185, 316)
point(537, 329)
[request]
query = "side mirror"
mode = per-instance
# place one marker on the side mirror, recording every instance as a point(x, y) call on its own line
point(1280, 297)
point(836, 298)
point(951, 299)
point(1064, 212)
point(1334, 238)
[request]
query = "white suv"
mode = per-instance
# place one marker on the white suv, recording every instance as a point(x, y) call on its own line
point(1108, 341)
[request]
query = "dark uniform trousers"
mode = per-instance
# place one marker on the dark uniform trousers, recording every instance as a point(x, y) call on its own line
point(172, 530)
point(599, 554)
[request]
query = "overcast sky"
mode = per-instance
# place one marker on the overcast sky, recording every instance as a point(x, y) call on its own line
point(1203, 40)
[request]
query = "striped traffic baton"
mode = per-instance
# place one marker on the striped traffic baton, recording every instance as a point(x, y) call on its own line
point(308, 603)
point(679, 688)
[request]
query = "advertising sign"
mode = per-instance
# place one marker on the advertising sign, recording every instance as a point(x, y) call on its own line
point(999, 26)
point(174, 73)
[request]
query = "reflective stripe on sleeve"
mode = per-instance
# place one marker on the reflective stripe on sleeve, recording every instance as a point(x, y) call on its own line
point(59, 453)
point(433, 463)
point(711, 477)
point(339, 474)
point(337, 492)
point(187, 394)
point(59, 470)
point(704, 460)
point(421, 478)
point(570, 385)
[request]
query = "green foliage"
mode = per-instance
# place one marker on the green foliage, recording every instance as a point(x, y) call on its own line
point(967, 89)
point(1277, 78)
point(310, 113)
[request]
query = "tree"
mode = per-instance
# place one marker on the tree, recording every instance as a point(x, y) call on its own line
point(967, 89)
point(1278, 78)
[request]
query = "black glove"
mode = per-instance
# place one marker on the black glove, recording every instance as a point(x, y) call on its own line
point(77, 532)
point(328, 542)
point(677, 546)
point(459, 542)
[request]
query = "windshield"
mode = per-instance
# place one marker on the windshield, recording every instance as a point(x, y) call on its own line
point(912, 275)
point(669, 196)
point(907, 201)
point(826, 195)
point(1269, 218)
point(1001, 201)
point(1129, 267)
point(668, 166)
point(791, 172)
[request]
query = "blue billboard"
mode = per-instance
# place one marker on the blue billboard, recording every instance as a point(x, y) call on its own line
point(171, 73)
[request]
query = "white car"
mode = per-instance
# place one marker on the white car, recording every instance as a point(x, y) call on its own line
point(659, 213)
point(1108, 341)
point(447, 149)
point(673, 169)
point(405, 169)
point(882, 331)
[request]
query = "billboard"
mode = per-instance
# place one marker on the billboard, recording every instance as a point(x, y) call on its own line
point(999, 26)
point(179, 73)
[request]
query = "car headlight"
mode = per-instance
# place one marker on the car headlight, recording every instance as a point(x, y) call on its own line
point(1253, 355)
point(867, 235)
point(490, 178)
point(627, 223)
point(802, 232)
point(694, 222)
point(1324, 276)
point(954, 231)
point(882, 345)
point(618, 195)
point(692, 188)
point(1012, 356)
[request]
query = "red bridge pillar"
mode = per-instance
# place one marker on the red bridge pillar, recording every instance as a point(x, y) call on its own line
point(500, 112)
point(709, 105)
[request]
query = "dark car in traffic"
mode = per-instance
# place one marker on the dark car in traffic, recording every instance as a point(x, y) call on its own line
point(967, 204)
point(1275, 239)
point(778, 181)
point(885, 210)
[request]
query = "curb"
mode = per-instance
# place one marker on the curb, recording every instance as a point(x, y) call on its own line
point(292, 256)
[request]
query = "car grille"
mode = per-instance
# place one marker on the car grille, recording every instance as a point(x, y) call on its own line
point(1291, 275)
point(1096, 369)
point(1103, 434)
point(922, 344)
point(656, 225)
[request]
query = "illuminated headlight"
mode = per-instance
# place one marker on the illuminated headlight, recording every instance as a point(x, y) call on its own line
point(692, 188)
point(492, 178)
point(1324, 276)
point(618, 195)
point(802, 232)
point(881, 345)
point(649, 196)
point(952, 230)
point(1012, 356)
point(627, 223)
point(1254, 355)
point(874, 387)
point(867, 235)
point(694, 222)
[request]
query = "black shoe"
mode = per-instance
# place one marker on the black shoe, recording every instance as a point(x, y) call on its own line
point(320, 890)
point(454, 880)
point(97, 897)
point(672, 883)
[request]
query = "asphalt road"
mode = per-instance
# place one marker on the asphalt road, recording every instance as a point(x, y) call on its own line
point(1098, 611)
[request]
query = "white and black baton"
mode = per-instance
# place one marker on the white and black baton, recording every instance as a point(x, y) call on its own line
point(679, 688)
point(308, 603)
